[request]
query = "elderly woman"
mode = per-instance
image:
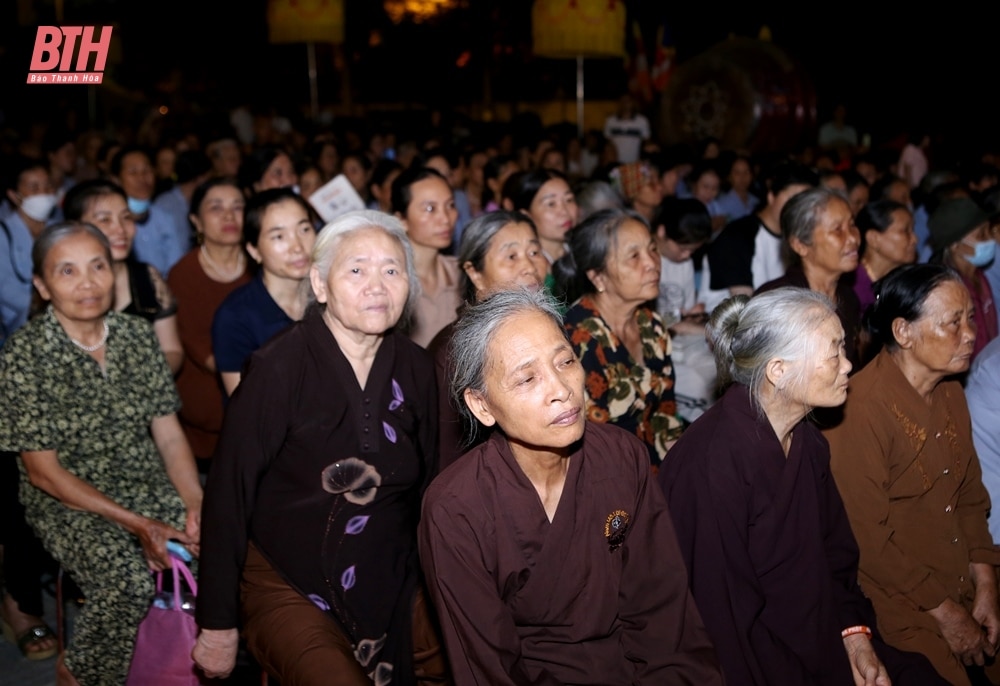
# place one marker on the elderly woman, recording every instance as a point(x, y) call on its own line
point(961, 238)
point(757, 513)
point(887, 242)
point(499, 251)
point(610, 273)
point(279, 237)
point(139, 287)
point(904, 461)
point(107, 477)
point(424, 203)
point(821, 246)
point(311, 507)
point(201, 281)
point(548, 549)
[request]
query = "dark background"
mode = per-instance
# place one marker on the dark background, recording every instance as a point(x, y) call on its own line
point(896, 68)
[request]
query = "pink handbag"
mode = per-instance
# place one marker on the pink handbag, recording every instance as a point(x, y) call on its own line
point(167, 636)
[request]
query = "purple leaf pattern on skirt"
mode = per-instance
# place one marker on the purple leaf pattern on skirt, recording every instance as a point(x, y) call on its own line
point(355, 525)
point(319, 602)
point(397, 396)
point(390, 433)
point(347, 579)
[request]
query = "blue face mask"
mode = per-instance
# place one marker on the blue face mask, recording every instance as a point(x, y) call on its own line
point(138, 207)
point(985, 252)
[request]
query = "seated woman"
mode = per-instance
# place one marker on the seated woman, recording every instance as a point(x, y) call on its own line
point(265, 168)
point(821, 246)
point(961, 238)
point(545, 196)
point(904, 460)
point(139, 288)
point(887, 242)
point(768, 547)
point(279, 236)
point(424, 203)
point(201, 281)
point(310, 540)
point(106, 475)
point(611, 271)
point(548, 550)
point(499, 250)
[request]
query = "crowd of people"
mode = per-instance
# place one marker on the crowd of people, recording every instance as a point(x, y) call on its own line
point(547, 412)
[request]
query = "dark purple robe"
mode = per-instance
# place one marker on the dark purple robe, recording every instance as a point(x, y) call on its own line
point(770, 553)
point(597, 596)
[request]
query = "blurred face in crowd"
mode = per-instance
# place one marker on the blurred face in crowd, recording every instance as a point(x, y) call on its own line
point(431, 215)
point(111, 215)
point(897, 245)
point(220, 218)
point(554, 210)
point(136, 176)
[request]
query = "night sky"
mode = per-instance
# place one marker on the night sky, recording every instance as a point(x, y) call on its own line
point(896, 70)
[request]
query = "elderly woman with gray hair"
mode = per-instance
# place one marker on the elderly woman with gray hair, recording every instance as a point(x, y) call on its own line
point(769, 549)
point(821, 246)
point(107, 476)
point(499, 250)
point(313, 498)
point(548, 549)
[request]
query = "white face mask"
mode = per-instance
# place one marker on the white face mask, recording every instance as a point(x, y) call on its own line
point(39, 207)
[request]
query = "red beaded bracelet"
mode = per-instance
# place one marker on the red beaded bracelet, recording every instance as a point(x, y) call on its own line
point(860, 629)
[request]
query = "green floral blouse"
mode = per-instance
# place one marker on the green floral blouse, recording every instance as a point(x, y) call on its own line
point(636, 395)
point(54, 396)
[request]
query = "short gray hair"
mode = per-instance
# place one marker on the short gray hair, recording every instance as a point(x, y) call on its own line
point(747, 333)
point(474, 331)
point(477, 238)
point(801, 214)
point(331, 235)
point(54, 234)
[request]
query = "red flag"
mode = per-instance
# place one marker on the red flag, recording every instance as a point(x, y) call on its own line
point(663, 60)
point(639, 82)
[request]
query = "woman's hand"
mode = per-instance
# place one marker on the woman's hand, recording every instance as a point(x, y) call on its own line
point(192, 527)
point(962, 632)
point(153, 537)
point(867, 669)
point(985, 608)
point(215, 652)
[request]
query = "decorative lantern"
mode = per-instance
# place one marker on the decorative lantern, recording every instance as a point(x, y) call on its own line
point(309, 22)
point(305, 21)
point(575, 29)
point(567, 29)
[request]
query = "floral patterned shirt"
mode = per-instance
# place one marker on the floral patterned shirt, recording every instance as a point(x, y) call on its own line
point(55, 397)
point(636, 395)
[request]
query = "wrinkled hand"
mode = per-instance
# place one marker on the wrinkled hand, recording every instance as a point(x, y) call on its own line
point(986, 611)
point(962, 632)
point(192, 527)
point(867, 669)
point(215, 652)
point(153, 536)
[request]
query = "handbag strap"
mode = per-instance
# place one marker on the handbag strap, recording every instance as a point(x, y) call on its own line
point(182, 570)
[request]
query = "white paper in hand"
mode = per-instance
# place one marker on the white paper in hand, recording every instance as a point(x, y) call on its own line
point(335, 198)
